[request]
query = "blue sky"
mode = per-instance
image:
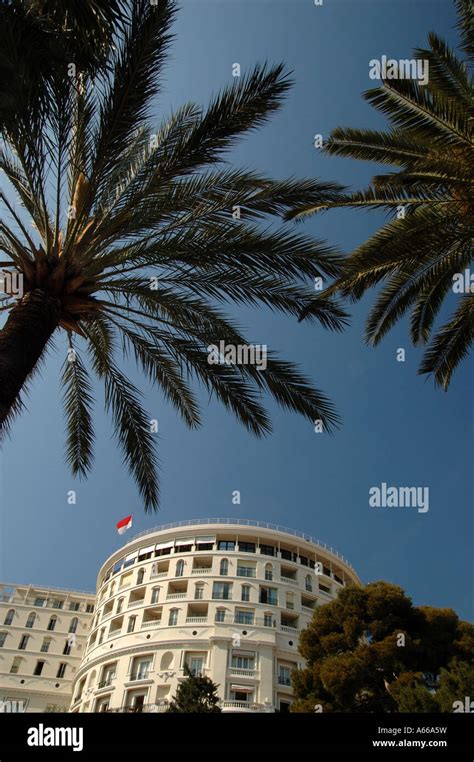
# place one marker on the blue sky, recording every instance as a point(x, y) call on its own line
point(397, 428)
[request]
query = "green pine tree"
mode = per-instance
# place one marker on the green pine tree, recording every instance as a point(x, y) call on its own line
point(195, 694)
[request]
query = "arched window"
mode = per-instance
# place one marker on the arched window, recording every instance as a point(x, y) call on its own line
point(180, 568)
point(112, 588)
point(140, 575)
point(119, 605)
point(199, 591)
point(155, 595)
point(52, 623)
point(308, 582)
point(31, 620)
point(73, 625)
point(268, 571)
point(224, 567)
point(173, 617)
point(9, 616)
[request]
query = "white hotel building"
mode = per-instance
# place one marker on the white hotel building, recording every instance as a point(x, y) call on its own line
point(227, 597)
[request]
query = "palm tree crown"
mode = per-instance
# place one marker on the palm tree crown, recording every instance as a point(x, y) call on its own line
point(419, 253)
point(136, 241)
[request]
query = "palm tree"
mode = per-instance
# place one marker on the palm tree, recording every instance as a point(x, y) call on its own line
point(128, 239)
point(429, 241)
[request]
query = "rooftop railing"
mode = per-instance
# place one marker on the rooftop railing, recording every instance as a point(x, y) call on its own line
point(246, 523)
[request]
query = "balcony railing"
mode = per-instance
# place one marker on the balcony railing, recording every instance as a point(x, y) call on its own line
point(173, 596)
point(144, 708)
point(289, 580)
point(283, 680)
point(105, 683)
point(242, 672)
point(237, 704)
point(158, 574)
point(152, 623)
point(140, 675)
point(195, 619)
point(290, 630)
point(202, 570)
point(136, 603)
point(307, 609)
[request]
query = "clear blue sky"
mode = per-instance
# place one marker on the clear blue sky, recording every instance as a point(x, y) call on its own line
point(397, 428)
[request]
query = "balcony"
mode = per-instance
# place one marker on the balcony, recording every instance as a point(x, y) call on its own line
point(158, 574)
point(196, 619)
point(289, 630)
point(139, 602)
point(144, 708)
point(174, 596)
point(202, 570)
point(152, 623)
point(307, 609)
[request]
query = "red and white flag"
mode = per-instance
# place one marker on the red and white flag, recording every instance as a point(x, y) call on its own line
point(124, 524)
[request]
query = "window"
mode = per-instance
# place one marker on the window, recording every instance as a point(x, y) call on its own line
point(23, 642)
point(304, 561)
point(268, 620)
point(73, 625)
point(327, 571)
point(247, 547)
point(39, 602)
point(245, 593)
point(183, 549)
point(220, 615)
point(31, 620)
point(269, 572)
point(119, 605)
point(287, 555)
point(267, 550)
point(199, 592)
point(284, 676)
point(141, 669)
point(173, 617)
point(61, 670)
point(224, 567)
point(16, 665)
point(89, 608)
point(3, 637)
point(245, 571)
point(108, 674)
point(57, 604)
point(67, 648)
point(241, 695)
point(243, 662)
point(45, 645)
point(290, 603)
point(101, 636)
point(180, 568)
point(195, 665)
point(269, 595)
point(39, 668)
point(131, 624)
point(9, 616)
point(226, 545)
point(222, 591)
point(140, 576)
point(155, 594)
point(308, 582)
point(74, 606)
point(52, 623)
point(243, 617)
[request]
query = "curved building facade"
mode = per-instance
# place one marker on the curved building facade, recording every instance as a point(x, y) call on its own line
point(226, 597)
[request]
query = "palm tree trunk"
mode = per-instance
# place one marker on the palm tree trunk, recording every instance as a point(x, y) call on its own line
point(28, 329)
